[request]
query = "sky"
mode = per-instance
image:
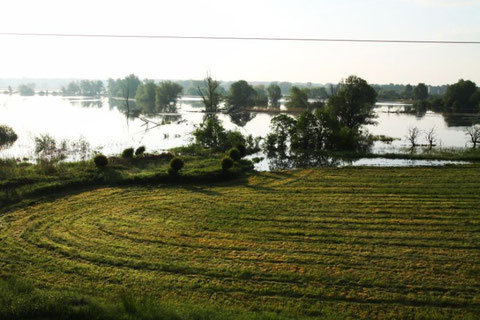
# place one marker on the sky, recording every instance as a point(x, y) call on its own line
point(100, 58)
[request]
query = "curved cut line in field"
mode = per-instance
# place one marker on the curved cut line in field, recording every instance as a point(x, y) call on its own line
point(280, 239)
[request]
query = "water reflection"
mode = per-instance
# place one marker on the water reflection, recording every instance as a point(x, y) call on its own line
point(461, 120)
point(127, 107)
point(284, 161)
point(241, 119)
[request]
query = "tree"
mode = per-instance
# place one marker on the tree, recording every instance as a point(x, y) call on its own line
point(462, 96)
point(353, 103)
point(431, 137)
point(146, 95)
point(261, 97)
point(7, 137)
point(210, 95)
point(281, 129)
point(26, 89)
point(474, 133)
point(241, 95)
point(298, 98)
point(408, 92)
point(420, 92)
point(127, 87)
point(412, 136)
point(167, 95)
point(274, 95)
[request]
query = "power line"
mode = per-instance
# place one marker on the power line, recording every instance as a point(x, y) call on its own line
point(76, 35)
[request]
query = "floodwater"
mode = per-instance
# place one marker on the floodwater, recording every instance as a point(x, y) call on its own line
point(108, 130)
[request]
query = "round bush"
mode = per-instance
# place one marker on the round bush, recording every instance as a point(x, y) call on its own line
point(140, 151)
point(176, 164)
point(127, 153)
point(242, 149)
point(227, 163)
point(234, 154)
point(100, 161)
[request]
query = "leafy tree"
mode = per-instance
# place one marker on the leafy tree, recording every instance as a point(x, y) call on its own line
point(167, 95)
point(261, 97)
point(281, 130)
point(72, 89)
point(420, 92)
point(317, 93)
point(308, 134)
point(210, 94)
point(408, 92)
point(210, 133)
point(7, 137)
point(26, 89)
point(353, 104)
point(298, 98)
point(241, 95)
point(274, 95)
point(146, 95)
point(462, 96)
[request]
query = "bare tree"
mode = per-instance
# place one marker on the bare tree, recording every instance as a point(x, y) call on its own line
point(211, 98)
point(412, 136)
point(474, 133)
point(431, 137)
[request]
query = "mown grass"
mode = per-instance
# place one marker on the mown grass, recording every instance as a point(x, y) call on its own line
point(20, 182)
point(386, 243)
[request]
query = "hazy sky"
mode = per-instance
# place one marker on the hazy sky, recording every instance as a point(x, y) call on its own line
point(250, 60)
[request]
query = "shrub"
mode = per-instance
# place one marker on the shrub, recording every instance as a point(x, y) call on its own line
point(7, 136)
point(227, 163)
point(100, 161)
point(242, 149)
point(176, 164)
point(234, 154)
point(140, 151)
point(127, 153)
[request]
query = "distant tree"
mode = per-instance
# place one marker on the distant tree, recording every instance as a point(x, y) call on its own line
point(146, 95)
point(26, 89)
point(462, 96)
point(241, 95)
point(474, 133)
point(274, 95)
point(72, 89)
point(7, 137)
point(10, 90)
point(167, 95)
point(420, 92)
point(408, 92)
point(353, 104)
point(318, 93)
point(412, 136)
point(210, 94)
point(127, 87)
point(298, 98)
point(431, 137)
point(261, 97)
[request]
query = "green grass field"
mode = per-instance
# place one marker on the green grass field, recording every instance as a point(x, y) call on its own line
point(330, 243)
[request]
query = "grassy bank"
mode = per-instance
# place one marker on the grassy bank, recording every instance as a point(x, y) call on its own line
point(331, 243)
point(21, 182)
